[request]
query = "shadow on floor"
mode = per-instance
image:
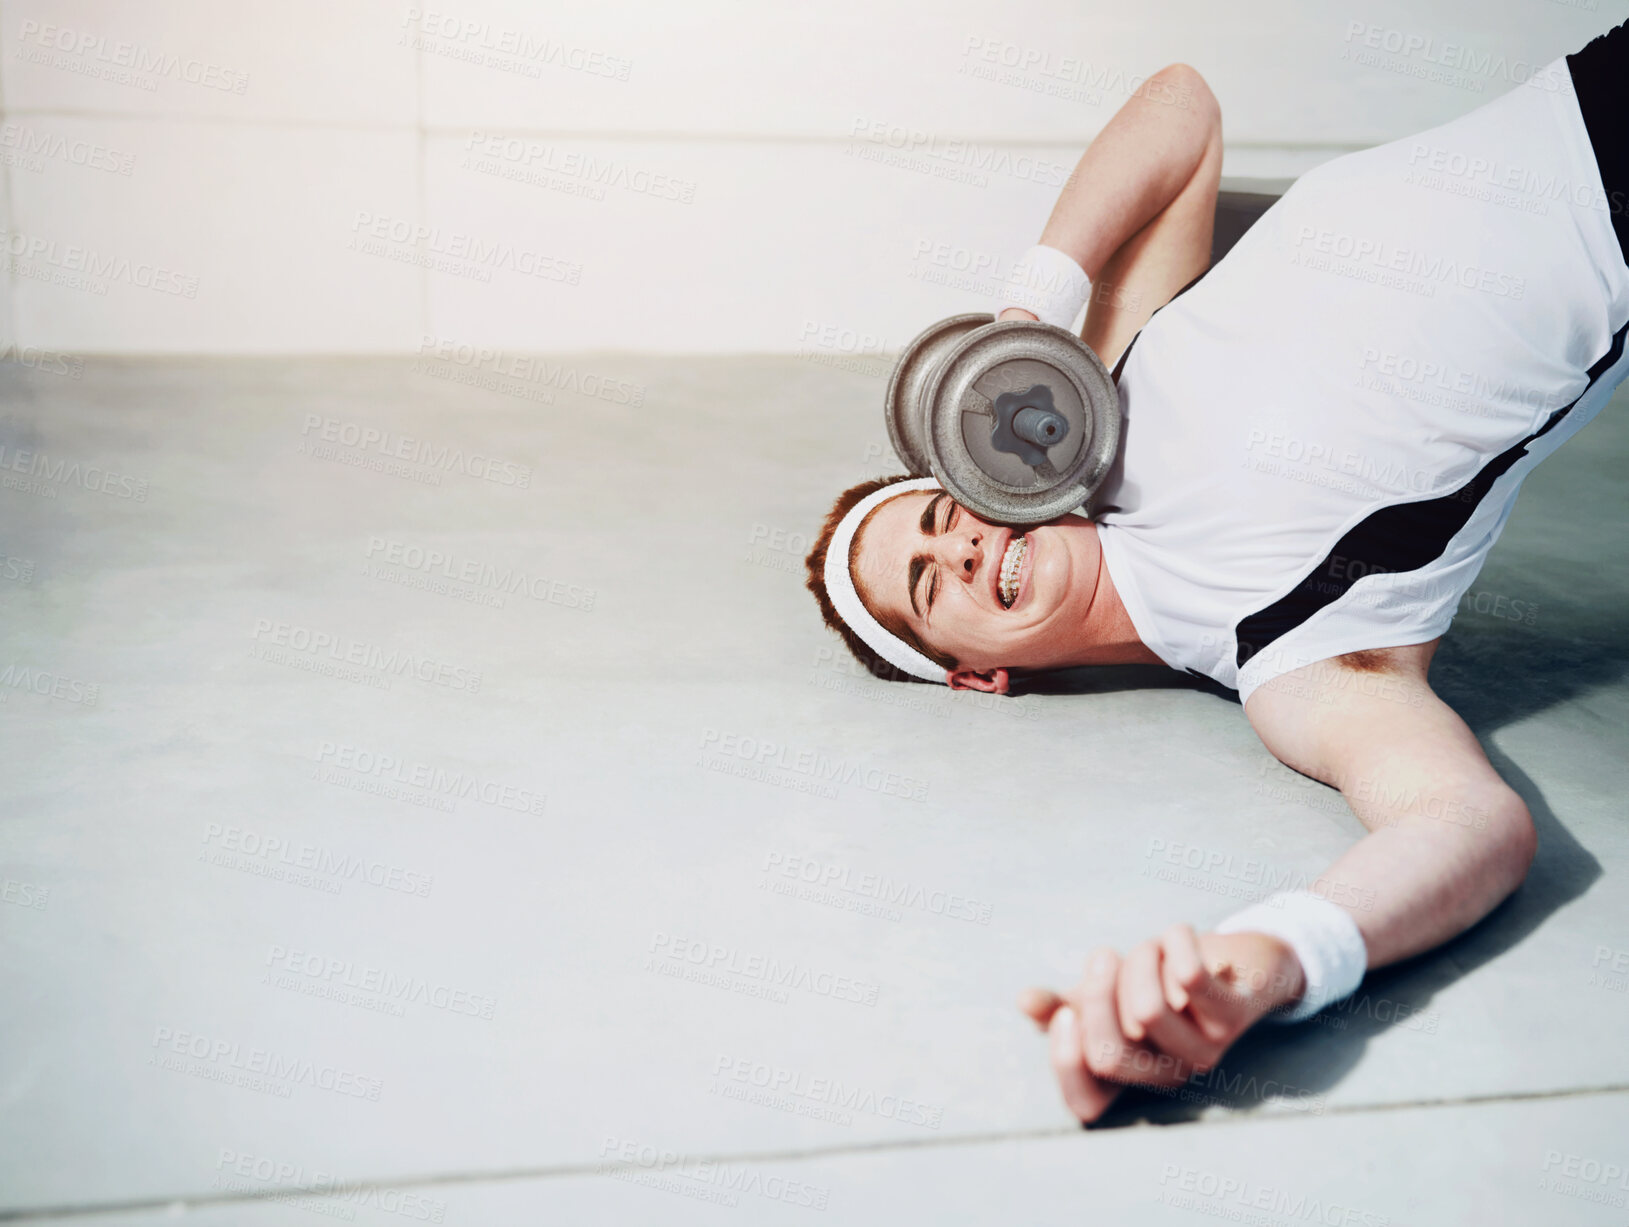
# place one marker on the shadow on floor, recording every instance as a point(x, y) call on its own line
point(1494, 676)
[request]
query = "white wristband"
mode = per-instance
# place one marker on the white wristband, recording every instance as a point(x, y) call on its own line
point(1324, 937)
point(1049, 284)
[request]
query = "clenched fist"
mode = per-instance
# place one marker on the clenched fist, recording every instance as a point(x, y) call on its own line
point(1162, 1014)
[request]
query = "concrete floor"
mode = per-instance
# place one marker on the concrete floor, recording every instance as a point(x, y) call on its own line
point(323, 863)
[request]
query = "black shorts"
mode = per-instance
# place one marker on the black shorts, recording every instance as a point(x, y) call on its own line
point(1600, 79)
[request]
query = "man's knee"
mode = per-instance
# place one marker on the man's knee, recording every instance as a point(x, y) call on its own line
point(1183, 85)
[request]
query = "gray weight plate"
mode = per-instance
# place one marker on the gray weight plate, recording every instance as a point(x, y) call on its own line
point(905, 407)
point(975, 457)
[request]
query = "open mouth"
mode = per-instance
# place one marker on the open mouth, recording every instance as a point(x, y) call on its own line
point(1012, 567)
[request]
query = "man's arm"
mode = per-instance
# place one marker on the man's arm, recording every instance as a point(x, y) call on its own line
point(1448, 838)
point(1448, 841)
point(1138, 211)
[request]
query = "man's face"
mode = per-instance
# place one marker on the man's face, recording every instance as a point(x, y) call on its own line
point(930, 563)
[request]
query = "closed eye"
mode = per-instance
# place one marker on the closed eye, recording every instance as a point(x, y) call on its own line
point(950, 522)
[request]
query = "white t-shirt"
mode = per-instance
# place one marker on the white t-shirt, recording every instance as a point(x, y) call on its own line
point(1325, 434)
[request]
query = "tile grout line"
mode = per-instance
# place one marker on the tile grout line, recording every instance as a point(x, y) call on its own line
point(9, 287)
point(420, 146)
point(1070, 140)
point(881, 1146)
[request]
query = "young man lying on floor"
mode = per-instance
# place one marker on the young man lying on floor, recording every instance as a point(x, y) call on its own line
point(1284, 515)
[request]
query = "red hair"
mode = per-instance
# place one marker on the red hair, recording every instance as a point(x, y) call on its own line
point(816, 583)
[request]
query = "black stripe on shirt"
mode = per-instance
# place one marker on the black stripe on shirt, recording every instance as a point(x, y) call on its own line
point(1126, 353)
point(1600, 82)
point(1402, 537)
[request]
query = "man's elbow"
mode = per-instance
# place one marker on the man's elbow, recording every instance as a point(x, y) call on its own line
point(1512, 838)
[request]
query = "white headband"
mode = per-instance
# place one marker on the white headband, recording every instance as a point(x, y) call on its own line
point(840, 587)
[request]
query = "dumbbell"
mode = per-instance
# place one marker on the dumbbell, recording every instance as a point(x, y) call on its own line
point(1019, 421)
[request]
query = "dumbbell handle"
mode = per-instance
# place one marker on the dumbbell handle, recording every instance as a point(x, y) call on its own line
point(1042, 427)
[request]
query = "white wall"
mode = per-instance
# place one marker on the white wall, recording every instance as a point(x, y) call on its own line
point(8, 327)
point(761, 116)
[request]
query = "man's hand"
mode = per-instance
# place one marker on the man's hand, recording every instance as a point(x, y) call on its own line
point(1165, 1012)
point(1016, 313)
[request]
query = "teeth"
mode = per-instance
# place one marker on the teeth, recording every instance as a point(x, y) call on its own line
point(1012, 565)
